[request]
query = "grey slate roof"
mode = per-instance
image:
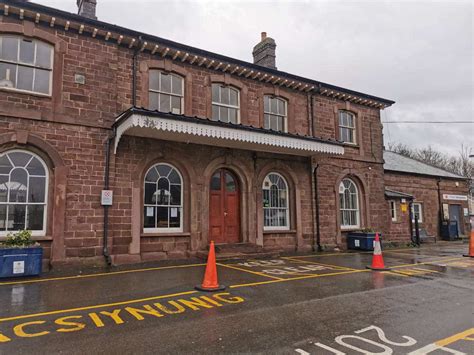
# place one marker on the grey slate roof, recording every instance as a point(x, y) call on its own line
point(400, 163)
point(397, 194)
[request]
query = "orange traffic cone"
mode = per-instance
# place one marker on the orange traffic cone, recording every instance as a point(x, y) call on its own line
point(210, 283)
point(471, 246)
point(377, 260)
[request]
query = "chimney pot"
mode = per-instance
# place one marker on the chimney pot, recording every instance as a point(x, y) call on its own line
point(86, 8)
point(264, 52)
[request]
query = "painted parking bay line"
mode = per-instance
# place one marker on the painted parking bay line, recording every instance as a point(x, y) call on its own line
point(335, 267)
point(249, 271)
point(112, 273)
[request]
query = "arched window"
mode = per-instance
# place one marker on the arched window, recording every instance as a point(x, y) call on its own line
point(275, 202)
point(166, 92)
point(225, 103)
point(275, 113)
point(25, 64)
point(23, 192)
point(349, 204)
point(163, 207)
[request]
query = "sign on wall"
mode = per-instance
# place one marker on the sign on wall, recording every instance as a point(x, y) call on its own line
point(106, 197)
point(455, 197)
point(445, 212)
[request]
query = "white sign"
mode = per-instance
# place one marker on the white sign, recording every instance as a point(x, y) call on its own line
point(106, 197)
point(357, 242)
point(150, 211)
point(18, 267)
point(455, 197)
point(466, 212)
point(174, 212)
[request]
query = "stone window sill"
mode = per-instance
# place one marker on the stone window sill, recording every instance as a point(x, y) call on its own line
point(158, 235)
point(35, 238)
point(279, 231)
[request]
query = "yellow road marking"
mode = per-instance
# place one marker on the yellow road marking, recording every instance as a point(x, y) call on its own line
point(427, 270)
point(250, 271)
point(455, 337)
point(424, 263)
point(96, 306)
point(78, 277)
point(316, 263)
point(298, 278)
point(344, 253)
point(467, 338)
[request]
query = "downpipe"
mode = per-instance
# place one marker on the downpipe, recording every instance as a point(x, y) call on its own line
point(316, 198)
point(105, 250)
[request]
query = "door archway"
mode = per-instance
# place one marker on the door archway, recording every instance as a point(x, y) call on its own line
point(224, 207)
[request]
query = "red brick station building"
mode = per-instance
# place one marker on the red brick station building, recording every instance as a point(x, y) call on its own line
point(191, 146)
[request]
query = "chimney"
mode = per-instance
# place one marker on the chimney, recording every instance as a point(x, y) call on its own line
point(264, 52)
point(86, 8)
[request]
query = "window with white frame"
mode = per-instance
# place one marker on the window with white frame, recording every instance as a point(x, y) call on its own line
point(276, 213)
point(225, 103)
point(347, 127)
point(26, 64)
point(417, 211)
point(349, 204)
point(275, 113)
point(163, 207)
point(23, 192)
point(166, 92)
point(393, 210)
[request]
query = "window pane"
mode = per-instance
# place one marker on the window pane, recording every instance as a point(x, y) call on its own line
point(215, 92)
point(177, 83)
point(3, 188)
point(3, 217)
point(225, 95)
point(43, 55)
point(215, 112)
point(151, 176)
point(37, 189)
point(176, 105)
point(273, 123)
point(174, 177)
point(233, 115)
point(7, 75)
point(216, 181)
point(224, 114)
point(150, 189)
point(163, 197)
point(175, 195)
point(35, 167)
point(266, 103)
point(35, 217)
point(229, 183)
point(25, 78)
point(175, 217)
point(163, 170)
point(165, 83)
point(153, 101)
point(164, 103)
point(267, 121)
point(5, 165)
point(42, 81)
point(162, 217)
point(234, 101)
point(19, 158)
point(281, 107)
point(27, 51)
point(9, 48)
point(273, 106)
point(18, 185)
point(149, 214)
point(16, 217)
point(154, 80)
point(280, 124)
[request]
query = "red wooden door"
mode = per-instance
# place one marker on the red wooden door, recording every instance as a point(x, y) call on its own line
point(224, 211)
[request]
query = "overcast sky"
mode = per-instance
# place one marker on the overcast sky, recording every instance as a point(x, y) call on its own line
point(419, 54)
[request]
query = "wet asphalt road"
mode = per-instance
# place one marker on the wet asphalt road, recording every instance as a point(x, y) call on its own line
point(294, 305)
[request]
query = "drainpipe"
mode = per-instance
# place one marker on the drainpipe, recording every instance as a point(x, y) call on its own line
point(410, 219)
point(105, 250)
point(316, 198)
point(134, 72)
point(440, 203)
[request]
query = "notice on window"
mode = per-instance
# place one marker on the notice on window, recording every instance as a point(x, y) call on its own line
point(357, 242)
point(174, 212)
point(150, 211)
point(18, 267)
